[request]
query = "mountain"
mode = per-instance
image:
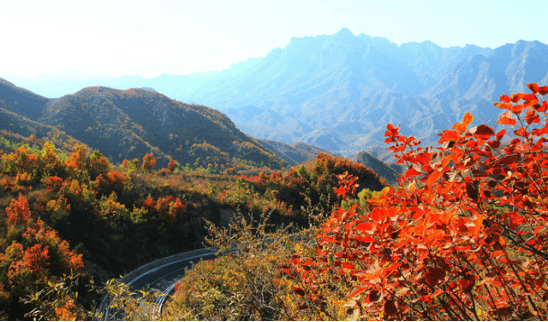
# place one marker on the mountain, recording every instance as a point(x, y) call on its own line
point(294, 153)
point(339, 91)
point(16, 128)
point(389, 173)
point(128, 124)
point(480, 80)
point(21, 101)
point(17, 108)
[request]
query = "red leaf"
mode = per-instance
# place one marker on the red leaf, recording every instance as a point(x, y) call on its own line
point(433, 178)
point(536, 89)
point(358, 291)
point(533, 87)
point(341, 191)
point(522, 96)
point(507, 118)
point(500, 134)
point(466, 285)
point(544, 107)
point(505, 98)
point(378, 214)
point(483, 132)
point(366, 239)
point(424, 158)
point(472, 191)
point(516, 109)
point(348, 266)
point(373, 296)
point(531, 103)
point(392, 131)
point(388, 270)
point(448, 136)
point(467, 119)
point(539, 283)
point(531, 117)
point(390, 308)
point(434, 275)
point(412, 173)
point(459, 127)
point(520, 132)
point(504, 106)
point(399, 149)
point(365, 226)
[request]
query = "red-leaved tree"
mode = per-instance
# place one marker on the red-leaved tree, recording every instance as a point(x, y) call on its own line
point(463, 237)
point(171, 165)
point(18, 211)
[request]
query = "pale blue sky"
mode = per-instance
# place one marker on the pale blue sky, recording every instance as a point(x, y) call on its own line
point(149, 38)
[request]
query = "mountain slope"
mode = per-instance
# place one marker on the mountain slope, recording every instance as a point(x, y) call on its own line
point(128, 124)
point(338, 92)
point(14, 126)
point(381, 168)
point(20, 100)
point(295, 153)
point(17, 107)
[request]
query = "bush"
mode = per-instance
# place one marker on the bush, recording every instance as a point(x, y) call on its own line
point(462, 238)
point(244, 284)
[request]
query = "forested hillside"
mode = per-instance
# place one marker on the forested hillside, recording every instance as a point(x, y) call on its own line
point(128, 124)
point(338, 91)
point(77, 213)
point(462, 237)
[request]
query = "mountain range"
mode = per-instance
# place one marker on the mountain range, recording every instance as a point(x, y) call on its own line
point(339, 91)
point(128, 124)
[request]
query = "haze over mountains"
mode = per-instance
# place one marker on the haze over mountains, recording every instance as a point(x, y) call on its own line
point(339, 91)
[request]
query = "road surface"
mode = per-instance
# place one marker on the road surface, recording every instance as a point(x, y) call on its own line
point(163, 278)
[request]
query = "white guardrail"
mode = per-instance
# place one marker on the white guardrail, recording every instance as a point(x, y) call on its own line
point(157, 264)
point(151, 266)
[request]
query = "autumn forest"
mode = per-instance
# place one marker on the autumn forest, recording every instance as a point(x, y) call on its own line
point(354, 221)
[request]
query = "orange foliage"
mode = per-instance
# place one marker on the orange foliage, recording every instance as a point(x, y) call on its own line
point(61, 258)
point(77, 159)
point(149, 162)
point(53, 183)
point(167, 209)
point(464, 237)
point(113, 182)
point(171, 165)
point(18, 211)
point(66, 312)
point(22, 161)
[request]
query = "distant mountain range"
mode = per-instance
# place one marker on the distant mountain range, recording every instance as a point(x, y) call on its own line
point(339, 91)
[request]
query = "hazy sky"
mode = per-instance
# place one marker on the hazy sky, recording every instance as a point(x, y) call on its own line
point(152, 37)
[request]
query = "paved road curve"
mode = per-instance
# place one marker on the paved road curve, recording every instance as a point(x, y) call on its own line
point(163, 278)
point(159, 278)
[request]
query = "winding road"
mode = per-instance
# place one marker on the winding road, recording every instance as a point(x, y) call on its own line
point(162, 275)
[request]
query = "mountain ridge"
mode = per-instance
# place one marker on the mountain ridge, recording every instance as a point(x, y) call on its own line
point(128, 124)
point(339, 91)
